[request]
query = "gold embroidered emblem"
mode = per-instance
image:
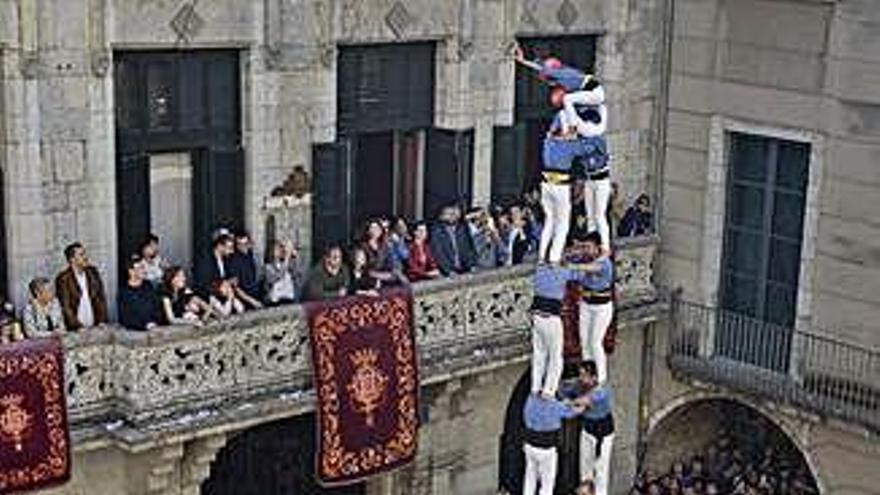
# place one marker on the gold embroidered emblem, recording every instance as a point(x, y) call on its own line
point(14, 420)
point(368, 383)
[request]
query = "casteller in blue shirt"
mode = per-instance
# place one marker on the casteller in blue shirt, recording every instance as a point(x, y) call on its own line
point(543, 414)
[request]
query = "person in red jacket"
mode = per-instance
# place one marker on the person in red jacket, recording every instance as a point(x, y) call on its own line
point(421, 264)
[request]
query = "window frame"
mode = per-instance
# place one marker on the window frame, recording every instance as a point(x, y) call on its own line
point(714, 209)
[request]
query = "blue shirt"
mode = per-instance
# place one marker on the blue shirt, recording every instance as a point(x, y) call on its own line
point(549, 281)
point(568, 77)
point(559, 154)
point(601, 280)
point(601, 400)
point(542, 414)
point(399, 254)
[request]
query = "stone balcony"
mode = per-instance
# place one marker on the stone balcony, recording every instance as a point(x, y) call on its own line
point(132, 388)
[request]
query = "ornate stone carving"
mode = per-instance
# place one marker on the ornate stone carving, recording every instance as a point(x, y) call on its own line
point(297, 184)
point(529, 14)
point(176, 376)
point(100, 63)
point(398, 19)
point(635, 268)
point(187, 22)
point(327, 54)
point(567, 14)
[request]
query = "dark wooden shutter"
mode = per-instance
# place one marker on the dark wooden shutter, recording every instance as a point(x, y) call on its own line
point(133, 203)
point(507, 171)
point(331, 212)
point(385, 87)
point(222, 82)
point(218, 196)
point(448, 170)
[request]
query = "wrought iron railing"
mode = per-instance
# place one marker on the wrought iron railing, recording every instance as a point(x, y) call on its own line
point(815, 372)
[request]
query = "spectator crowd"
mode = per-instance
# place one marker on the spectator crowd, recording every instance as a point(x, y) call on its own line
point(229, 280)
point(731, 466)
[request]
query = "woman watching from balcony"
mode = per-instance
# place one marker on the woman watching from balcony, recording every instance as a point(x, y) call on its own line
point(224, 300)
point(398, 242)
point(42, 315)
point(485, 237)
point(379, 260)
point(180, 304)
point(152, 260)
point(281, 274)
point(362, 282)
point(421, 265)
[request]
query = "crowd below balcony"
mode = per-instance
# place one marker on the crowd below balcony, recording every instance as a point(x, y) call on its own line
point(732, 466)
point(229, 280)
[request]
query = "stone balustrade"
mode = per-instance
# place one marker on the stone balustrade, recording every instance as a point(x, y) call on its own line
point(463, 324)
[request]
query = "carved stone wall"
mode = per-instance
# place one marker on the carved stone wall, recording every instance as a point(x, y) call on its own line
point(180, 376)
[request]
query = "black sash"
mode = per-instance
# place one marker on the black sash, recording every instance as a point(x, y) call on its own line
point(546, 305)
point(599, 428)
point(542, 439)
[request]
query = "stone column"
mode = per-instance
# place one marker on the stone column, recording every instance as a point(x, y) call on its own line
point(196, 462)
point(162, 474)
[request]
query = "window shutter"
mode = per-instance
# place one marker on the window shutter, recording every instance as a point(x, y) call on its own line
point(448, 170)
point(464, 160)
point(507, 173)
point(133, 203)
point(218, 199)
point(385, 87)
point(223, 111)
point(331, 216)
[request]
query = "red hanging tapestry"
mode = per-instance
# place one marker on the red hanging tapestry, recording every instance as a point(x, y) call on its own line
point(34, 437)
point(367, 383)
point(571, 323)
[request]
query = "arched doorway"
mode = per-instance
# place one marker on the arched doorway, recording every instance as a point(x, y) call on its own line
point(724, 443)
point(272, 459)
point(511, 460)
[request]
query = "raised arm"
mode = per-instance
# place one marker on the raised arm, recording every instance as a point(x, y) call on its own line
point(520, 57)
point(592, 267)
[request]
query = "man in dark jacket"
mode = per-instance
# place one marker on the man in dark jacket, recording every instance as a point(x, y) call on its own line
point(637, 220)
point(137, 301)
point(214, 266)
point(451, 243)
point(80, 291)
point(243, 267)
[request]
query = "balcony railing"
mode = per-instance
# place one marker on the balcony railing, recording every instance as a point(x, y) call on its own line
point(145, 381)
point(808, 370)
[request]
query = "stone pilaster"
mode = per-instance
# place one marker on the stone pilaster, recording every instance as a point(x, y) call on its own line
point(163, 474)
point(195, 467)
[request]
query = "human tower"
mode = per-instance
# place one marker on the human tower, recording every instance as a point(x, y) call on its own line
point(574, 145)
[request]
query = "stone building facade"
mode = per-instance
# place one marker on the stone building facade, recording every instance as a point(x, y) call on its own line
point(59, 154)
point(802, 70)
point(797, 71)
point(682, 74)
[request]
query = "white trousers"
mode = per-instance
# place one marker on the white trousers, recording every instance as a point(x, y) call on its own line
point(540, 470)
point(593, 467)
point(546, 353)
point(594, 321)
point(596, 195)
point(556, 201)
